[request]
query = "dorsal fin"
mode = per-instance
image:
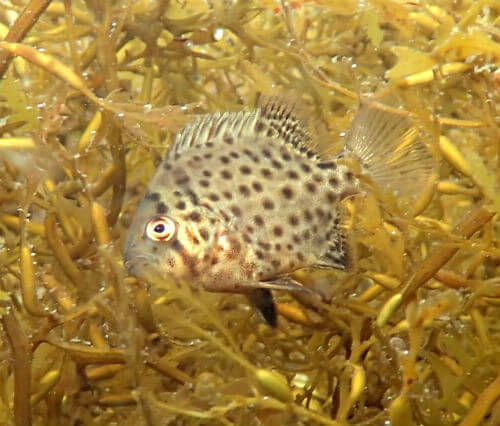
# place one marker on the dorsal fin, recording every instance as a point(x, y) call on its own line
point(274, 118)
point(288, 118)
point(389, 149)
point(213, 128)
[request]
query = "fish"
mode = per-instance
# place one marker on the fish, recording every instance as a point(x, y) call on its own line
point(243, 199)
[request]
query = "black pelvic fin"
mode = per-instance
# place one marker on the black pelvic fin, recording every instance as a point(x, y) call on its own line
point(262, 299)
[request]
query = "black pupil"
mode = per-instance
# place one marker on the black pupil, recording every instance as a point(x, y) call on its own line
point(159, 228)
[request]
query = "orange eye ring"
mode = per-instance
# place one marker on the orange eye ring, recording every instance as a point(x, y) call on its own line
point(161, 228)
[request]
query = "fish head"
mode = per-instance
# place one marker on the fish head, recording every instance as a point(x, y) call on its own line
point(167, 242)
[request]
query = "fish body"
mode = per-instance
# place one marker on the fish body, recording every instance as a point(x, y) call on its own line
point(242, 199)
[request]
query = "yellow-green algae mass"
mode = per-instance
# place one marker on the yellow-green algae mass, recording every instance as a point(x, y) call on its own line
point(90, 98)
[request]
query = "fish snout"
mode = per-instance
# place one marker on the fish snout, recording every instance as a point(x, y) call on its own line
point(136, 264)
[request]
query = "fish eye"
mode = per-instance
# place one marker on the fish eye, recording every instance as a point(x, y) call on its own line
point(161, 229)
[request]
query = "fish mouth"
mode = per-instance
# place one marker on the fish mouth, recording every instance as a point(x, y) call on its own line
point(137, 266)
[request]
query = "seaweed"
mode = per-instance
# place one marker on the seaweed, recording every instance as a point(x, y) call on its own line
point(90, 98)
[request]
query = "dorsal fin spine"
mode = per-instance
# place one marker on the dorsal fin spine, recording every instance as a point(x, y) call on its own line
point(275, 113)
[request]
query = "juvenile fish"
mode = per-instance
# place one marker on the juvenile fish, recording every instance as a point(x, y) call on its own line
point(242, 199)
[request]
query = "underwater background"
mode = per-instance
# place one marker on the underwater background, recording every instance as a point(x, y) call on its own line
point(91, 96)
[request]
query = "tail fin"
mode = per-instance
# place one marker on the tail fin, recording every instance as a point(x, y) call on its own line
point(390, 152)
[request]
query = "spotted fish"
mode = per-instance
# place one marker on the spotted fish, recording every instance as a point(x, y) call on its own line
point(242, 199)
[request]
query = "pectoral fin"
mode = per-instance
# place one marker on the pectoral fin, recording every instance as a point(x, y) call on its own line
point(284, 283)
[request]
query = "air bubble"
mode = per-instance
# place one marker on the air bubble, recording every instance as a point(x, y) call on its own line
point(218, 33)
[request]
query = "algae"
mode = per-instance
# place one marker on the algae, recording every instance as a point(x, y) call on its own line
point(90, 98)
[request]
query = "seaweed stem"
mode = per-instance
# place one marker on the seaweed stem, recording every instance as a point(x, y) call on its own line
point(22, 353)
point(24, 22)
point(482, 404)
point(474, 221)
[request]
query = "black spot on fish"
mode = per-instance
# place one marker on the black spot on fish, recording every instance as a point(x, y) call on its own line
point(327, 165)
point(268, 204)
point(266, 153)
point(333, 181)
point(264, 245)
point(194, 216)
point(228, 139)
point(276, 263)
point(183, 180)
point(227, 195)
point(192, 197)
point(311, 187)
point(305, 167)
point(204, 234)
point(236, 211)
point(205, 183)
point(286, 156)
point(226, 174)
point(177, 246)
point(266, 173)
point(349, 176)
point(181, 205)
point(244, 190)
point(224, 159)
point(234, 154)
point(259, 126)
point(278, 231)
point(153, 196)
point(245, 170)
point(292, 174)
point(276, 164)
point(257, 186)
point(287, 192)
point(258, 220)
point(161, 208)
point(213, 197)
point(207, 173)
point(251, 155)
point(308, 215)
point(196, 158)
point(293, 220)
point(331, 196)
